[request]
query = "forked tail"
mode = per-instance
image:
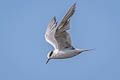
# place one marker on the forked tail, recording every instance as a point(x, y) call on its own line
point(84, 50)
point(88, 50)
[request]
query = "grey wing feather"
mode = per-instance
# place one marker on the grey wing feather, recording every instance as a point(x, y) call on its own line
point(66, 19)
point(50, 32)
point(62, 36)
point(63, 41)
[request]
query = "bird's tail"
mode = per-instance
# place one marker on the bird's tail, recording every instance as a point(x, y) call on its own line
point(84, 50)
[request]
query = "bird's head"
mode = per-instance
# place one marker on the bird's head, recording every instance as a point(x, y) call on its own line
point(49, 56)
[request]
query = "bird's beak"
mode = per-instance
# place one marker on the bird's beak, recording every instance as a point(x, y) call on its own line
point(47, 61)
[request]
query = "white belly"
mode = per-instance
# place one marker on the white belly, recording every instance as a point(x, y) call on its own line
point(65, 54)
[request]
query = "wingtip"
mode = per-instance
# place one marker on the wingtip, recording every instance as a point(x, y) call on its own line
point(54, 18)
point(74, 5)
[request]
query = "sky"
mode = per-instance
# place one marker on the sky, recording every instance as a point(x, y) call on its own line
point(23, 49)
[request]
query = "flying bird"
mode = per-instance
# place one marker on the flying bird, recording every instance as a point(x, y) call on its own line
point(60, 39)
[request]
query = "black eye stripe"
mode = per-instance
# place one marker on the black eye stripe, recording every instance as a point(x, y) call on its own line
point(51, 53)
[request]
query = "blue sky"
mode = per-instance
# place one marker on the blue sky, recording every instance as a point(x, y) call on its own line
point(23, 49)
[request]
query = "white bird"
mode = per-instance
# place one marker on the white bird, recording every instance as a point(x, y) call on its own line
point(60, 39)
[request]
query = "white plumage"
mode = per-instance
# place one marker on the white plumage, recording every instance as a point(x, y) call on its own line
point(60, 39)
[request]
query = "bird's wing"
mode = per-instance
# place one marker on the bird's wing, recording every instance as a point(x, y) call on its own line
point(61, 35)
point(50, 32)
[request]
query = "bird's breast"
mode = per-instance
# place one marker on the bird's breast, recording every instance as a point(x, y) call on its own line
point(65, 54)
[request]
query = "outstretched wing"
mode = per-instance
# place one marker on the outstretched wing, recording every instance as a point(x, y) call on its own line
point(50, 32)
point(61, 35)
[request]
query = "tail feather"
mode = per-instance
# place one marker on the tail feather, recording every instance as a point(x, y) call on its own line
point(83, 50)
point(88, 50)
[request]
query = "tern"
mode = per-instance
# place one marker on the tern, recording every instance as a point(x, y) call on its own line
point(60, 39)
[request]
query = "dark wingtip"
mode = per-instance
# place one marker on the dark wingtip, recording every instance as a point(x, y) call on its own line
point(54, 18)
point(74, 5)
